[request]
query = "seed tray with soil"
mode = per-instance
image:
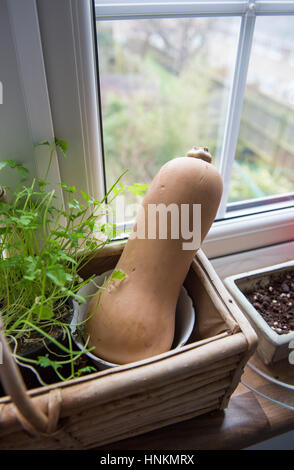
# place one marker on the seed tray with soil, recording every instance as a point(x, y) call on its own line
point(275, 301)
point(266, 297)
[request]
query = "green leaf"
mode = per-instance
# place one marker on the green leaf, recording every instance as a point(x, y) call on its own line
point(118, 189)
point(74, 204)
point(25, 220)
point(60, 234)
point(85, 195)
point(58, 275)
point(32, 271)
point(65, 257)
point(44, 361)
point(45, 142)
point(91, 225)
point(118, 274)
point(69, 189)
point(44, 313)
point(62, 145)
point(91, 244)
point(53, 242)
point(78, 297)
point(85, 370)
point(13, 164)
point(22, 170)
point(4, 208)
point(138, 189)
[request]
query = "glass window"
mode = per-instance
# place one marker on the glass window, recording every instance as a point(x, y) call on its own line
point(264, 163)
point(164, 86)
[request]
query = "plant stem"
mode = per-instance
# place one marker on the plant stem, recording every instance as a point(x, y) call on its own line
point(50, 162)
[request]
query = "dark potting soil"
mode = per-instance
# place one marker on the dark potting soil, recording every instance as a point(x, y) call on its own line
point(35, 342)
point(275, 301)
point(35, 345)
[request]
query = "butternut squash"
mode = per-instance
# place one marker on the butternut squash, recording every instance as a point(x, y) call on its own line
point(136, 318)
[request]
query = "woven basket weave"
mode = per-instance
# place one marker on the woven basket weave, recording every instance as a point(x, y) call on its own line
point(133, 399)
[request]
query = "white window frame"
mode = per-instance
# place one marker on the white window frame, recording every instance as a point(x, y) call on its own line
point(78, 118)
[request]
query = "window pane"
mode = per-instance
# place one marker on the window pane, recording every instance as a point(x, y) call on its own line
point(264, 164)
point(164, 88)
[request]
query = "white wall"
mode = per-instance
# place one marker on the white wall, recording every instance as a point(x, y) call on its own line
point(15, 139)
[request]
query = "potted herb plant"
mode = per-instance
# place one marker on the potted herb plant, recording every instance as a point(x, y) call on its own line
point(267, 298)
point(43, 248)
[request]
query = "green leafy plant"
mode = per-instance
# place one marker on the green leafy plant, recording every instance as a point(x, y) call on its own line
point(43, 247)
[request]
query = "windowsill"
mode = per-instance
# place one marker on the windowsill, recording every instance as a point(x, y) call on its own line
point(249, 419)
point(253, 259)
point(239, 234)
point(249, 232)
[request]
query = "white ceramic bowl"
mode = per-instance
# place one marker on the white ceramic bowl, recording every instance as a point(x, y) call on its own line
point(184, 324)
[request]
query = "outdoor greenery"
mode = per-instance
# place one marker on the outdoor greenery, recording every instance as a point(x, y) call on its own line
point(154, 111)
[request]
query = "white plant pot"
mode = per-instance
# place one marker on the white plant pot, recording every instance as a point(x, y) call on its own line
point(271, 346)
point(184, 324)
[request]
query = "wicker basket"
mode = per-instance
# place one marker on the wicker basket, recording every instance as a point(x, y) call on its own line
point(133, 399)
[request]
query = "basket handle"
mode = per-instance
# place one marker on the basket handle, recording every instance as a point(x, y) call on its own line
point(14, 386)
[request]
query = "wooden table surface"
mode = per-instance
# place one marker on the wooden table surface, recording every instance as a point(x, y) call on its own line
point(249, 418)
